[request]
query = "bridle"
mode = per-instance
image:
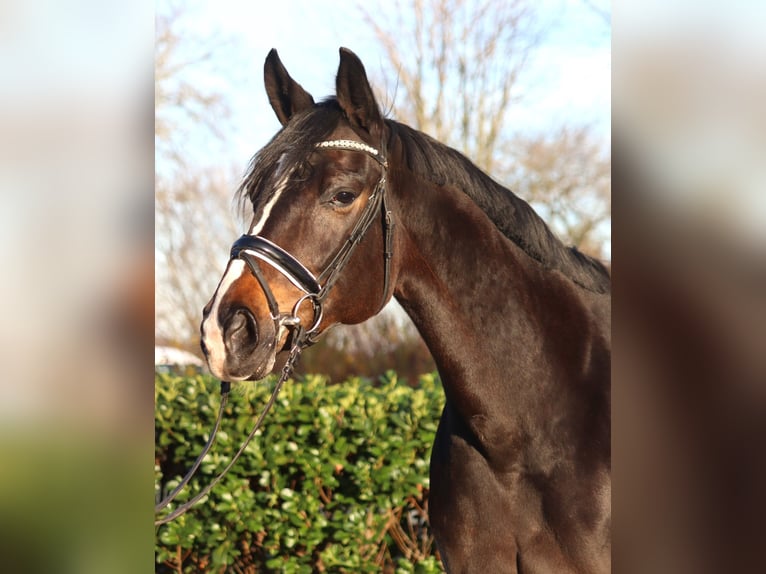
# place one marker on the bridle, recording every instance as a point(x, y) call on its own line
point(254, 248)
point(251, 248)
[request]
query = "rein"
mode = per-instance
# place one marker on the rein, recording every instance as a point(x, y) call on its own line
point(251, 248)
point(225, 389)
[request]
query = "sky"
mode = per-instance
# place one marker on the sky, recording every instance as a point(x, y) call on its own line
point(568, 79)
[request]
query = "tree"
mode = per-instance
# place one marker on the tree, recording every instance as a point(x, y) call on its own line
point(180, 104)
point(191, 251)
point(566, 176)
point(193, 210)
point(457, 65)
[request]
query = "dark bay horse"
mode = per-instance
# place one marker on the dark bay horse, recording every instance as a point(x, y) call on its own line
point(351, 209)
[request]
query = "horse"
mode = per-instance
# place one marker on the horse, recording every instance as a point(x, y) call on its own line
point(351, 209)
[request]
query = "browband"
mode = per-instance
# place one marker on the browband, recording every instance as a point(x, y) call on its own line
point(354, 146)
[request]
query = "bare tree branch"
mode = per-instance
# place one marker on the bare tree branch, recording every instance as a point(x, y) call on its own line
point(457, 64)
point(193, 214)
point(178, 98)
point(566, 176)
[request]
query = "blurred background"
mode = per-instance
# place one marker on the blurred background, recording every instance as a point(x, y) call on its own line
point(689, 286)
point(522, 88)
point(76, 198)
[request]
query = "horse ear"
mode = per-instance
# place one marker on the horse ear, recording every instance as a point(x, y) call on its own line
point(286, 96)
point(355, 94)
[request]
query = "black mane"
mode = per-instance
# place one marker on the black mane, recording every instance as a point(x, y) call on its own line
point(440, 164)
point(512, 215)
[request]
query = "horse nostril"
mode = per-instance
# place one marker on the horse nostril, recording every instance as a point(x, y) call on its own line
point(240, 330)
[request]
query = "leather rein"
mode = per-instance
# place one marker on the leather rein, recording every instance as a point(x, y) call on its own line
point(253, 248)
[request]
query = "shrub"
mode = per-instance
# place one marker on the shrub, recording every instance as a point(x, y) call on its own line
point(335, 481)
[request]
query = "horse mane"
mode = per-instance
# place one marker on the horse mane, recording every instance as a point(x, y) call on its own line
point(513, 216)
point(436, 162)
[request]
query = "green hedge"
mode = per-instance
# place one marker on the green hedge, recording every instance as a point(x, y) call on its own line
point(336, 480)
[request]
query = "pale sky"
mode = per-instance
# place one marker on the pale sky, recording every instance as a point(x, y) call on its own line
point(567, 81)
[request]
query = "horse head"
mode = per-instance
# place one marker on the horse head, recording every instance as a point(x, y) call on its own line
point(319, 248)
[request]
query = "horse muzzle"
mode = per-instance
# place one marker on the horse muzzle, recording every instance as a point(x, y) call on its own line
point(246, 346)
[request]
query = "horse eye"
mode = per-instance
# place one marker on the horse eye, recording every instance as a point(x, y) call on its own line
point(344, 197)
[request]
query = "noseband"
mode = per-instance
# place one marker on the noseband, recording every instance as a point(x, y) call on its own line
point(251, 248)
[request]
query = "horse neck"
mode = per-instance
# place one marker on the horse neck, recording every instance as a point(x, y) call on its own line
point(454, 282)
point(504, 332)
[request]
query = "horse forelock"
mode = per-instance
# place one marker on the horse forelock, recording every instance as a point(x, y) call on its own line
point(290, 149)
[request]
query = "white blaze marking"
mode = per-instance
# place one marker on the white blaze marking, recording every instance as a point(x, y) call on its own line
point(212, 333)
point(257, 226)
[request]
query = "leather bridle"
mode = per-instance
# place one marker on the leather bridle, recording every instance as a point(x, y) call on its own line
point(251, 248)
point(254, 248)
